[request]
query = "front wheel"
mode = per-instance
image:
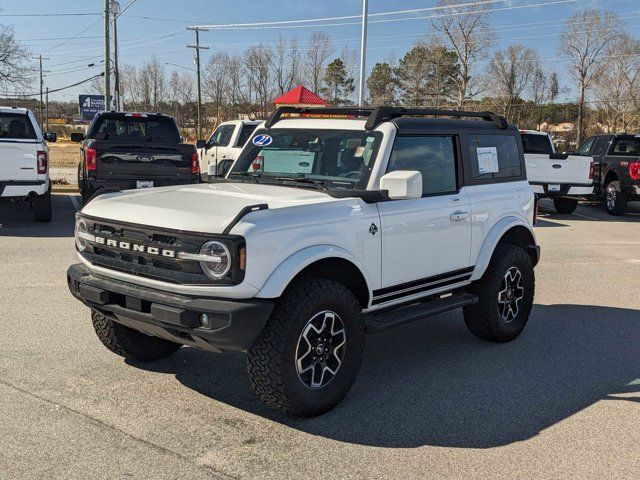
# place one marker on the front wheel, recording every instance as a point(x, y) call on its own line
point(505, 296)
point(565, 205)
point(615, 200)
point(129, 343)
point(308, 355)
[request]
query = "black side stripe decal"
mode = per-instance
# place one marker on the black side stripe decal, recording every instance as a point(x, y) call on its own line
point(424, 284)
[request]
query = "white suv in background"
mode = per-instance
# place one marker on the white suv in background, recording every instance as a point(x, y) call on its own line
point(24, 161)
point(332, 223)
point(224, 145)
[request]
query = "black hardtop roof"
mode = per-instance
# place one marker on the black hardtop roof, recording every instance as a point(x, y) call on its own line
point(376, 116)
point(423, 123)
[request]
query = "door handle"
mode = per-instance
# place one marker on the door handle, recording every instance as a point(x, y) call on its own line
point(458, 215)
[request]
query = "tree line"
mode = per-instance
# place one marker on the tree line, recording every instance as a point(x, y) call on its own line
point(455, 65)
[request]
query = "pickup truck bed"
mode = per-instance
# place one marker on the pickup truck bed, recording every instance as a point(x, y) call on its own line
point(564, 178)
point(126, 151)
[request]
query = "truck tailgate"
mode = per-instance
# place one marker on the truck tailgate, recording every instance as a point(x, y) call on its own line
point(18, 161)
point(574, 170)
point(142, 161)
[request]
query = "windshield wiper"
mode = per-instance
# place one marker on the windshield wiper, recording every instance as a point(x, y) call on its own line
point(319, 184)
point(255, 176)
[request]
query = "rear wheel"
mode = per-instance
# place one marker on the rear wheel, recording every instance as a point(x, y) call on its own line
point(565, 205)
point(129, 343)
point(42, 208)
point(615, 200)
point(505, 296)
point(308, 355)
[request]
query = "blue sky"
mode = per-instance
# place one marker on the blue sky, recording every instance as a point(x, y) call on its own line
point(165, 34)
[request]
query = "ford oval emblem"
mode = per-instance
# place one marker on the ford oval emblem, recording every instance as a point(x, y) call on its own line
point(555, 165)
point(145, 158)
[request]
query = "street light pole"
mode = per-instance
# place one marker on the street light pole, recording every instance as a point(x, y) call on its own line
point(198, 47)
point(107, 54)
point(363, 53)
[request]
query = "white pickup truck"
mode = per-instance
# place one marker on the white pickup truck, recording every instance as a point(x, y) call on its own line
point(24, 161)
point(563, 178)
point(224, 145)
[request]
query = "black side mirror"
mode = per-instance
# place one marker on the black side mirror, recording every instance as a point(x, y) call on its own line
point(201, 144)
point(77, 137)
point(51, 137)
point(223, 167)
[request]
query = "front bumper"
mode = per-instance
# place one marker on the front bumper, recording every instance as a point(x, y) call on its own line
point(233, 324)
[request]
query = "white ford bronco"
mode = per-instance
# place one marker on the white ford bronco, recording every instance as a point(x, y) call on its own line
point(24, 161)
point(332, 223)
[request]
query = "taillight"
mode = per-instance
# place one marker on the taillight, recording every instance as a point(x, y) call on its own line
point(592, 171)
point(43, 162)
point(90, 158)
point(195, 164)
point(258, 163)
point(634, 170)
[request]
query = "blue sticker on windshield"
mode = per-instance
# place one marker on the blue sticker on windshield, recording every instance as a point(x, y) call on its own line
point(262, 140)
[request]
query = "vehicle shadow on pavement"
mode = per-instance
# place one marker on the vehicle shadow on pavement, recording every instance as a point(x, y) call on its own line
point(17, 220)
point(433, 383)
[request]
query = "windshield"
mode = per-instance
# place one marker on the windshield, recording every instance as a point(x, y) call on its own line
point(532, 143)
point(331, 158)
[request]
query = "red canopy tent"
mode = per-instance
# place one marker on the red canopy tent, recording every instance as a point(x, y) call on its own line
point(300, 97)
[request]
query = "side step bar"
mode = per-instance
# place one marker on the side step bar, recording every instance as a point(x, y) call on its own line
point(379, 322)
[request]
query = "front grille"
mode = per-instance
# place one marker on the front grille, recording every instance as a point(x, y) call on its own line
point(144, 263)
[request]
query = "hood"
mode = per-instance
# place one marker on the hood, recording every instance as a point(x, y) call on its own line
point(206, 208)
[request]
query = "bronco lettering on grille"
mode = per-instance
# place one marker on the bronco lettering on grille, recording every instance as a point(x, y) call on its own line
point(135, 247)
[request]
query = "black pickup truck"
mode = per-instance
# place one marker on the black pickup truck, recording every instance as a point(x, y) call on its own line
point(616, 175)
point(133, 150)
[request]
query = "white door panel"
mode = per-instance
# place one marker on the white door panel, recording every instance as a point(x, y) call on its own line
point(424, 237)
point(492, 202)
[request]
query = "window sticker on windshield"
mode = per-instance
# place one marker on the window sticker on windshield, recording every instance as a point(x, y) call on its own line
point(359, 151)
point(487, 160)
point(262, 140)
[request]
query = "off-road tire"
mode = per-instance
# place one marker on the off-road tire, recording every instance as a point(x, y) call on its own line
point(129, 343)
point(483, 318)
point(42, 207)
point(565, 205)
point(271, 361)
point(615, 201)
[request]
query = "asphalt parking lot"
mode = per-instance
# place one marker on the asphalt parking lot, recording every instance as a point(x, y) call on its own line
point(562, 401)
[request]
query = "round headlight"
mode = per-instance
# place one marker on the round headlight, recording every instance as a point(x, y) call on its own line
point(219, 263)
point(81, 227)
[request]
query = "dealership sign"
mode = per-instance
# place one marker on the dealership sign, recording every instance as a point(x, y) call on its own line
point(90, 105)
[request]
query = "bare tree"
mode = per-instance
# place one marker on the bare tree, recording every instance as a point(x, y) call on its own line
point(512, 71)
point(216, 82)
point(464, 29)
point(320, 49)
point(152, 81)
point(258, 68)
point(15, 70)
point(584, 41)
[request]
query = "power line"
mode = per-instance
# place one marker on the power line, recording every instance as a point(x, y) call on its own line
point(101, 74)
point(48, 14)
point(75, 36)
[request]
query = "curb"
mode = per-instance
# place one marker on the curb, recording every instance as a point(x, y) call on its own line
point(64, 189)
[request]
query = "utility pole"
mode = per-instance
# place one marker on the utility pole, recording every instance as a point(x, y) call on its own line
point(363, 53)
point(115, 11)
point(107, 55)
point(46, 109)
point(198, 47)
point(40, 57)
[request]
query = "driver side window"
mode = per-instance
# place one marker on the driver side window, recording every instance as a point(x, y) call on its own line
point(585, 147)
point(221, 136)
point(434, 157)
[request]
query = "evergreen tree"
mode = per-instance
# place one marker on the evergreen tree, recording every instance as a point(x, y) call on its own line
point(338, 85)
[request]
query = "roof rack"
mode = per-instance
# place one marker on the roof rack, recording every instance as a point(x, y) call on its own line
point(375, 116)
point(276, 116)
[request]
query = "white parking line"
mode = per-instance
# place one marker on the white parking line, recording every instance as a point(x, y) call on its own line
point(584, 216)
point(76, 205)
